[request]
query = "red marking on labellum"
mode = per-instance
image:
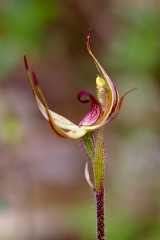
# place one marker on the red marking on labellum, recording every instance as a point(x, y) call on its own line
point(95, 109)
point(26, 63)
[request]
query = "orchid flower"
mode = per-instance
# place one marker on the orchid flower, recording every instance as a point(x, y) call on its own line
point(103, 109)
point(101, 112)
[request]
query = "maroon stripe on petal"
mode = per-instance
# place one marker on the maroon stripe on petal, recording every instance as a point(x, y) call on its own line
point(34, 79)
point(29, 70)
point(95, 108)
point(26, 62)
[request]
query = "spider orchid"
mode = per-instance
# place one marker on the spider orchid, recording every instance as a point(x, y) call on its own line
point(103, 109)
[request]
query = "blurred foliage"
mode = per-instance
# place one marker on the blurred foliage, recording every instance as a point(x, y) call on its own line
point(120, 226)
point(133, 54)
point(3, 205)
point(135, 47)
point(22, 28)
point(11, 129)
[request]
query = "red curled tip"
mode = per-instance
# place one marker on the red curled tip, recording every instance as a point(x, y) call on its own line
point(26, 62)
point(83, 97)
point(34, 79)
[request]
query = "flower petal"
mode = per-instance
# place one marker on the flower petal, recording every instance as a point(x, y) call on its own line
point(87, 177)
point(95, 109)
point(119, 105)
point(110, 96)
point(123, 96)
point(58, 124)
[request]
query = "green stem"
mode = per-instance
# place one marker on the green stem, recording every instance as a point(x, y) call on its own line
point(96, 153)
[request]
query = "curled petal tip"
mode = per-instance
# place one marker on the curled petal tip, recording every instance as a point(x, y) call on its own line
point(83, 97)
point(26, 62)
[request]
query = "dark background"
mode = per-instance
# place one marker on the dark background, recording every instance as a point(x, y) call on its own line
point(43, 193)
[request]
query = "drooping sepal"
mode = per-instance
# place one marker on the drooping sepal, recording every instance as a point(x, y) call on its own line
point(58, 123)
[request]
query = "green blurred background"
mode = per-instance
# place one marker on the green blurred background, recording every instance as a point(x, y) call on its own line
point(43, 194)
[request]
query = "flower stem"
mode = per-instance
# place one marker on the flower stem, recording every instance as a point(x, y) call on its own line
point(96, 153)
point(100, 214)
point(99, 169)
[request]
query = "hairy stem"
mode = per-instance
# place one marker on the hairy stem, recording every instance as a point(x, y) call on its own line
point(100, 214)
point(98, 169)
point(96, 153)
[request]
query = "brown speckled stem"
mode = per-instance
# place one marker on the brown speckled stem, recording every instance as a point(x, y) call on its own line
point(100, 213)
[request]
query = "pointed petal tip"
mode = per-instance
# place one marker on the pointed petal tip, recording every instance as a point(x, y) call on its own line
point(26, 62)
point(88, 40)
point(129, 91)
point(34, 77)
point(124, 95)
point(88, 36)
